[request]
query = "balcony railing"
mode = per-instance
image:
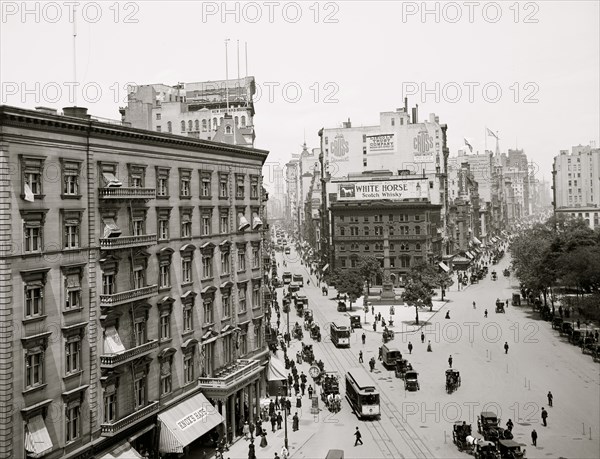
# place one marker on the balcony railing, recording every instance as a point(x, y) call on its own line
point(110, 429)
point(126, 242)
point(127, 193)
point(231, 374)
point(113, 360)
point(130, 295)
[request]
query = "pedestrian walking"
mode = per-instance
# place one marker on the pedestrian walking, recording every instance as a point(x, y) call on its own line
point(263, 439)
point(246, 431)
point(505, 347)
point(298, 402)
point(534, 437)
point(288, 404)
point(273, 422)
point(485, 314)
point(296, 388)
point(544, 417)
point(422, 338)
point(364, 338)
point(310, 391)
point(380, 357)
point(271, 408)
point(373, 310)
point(358, 437)
point(372, 364)
point(550, 398)
point(450, 361)
point(295, 422)
point(474, 307)
point(302, 377)
point(410, 347)
point(375, 326)
point(428, 346)
point(303, 387)
point(509, 425)
point(360, 357)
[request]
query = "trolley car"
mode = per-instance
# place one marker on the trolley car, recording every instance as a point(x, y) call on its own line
point(361, 393)
point(340, 335)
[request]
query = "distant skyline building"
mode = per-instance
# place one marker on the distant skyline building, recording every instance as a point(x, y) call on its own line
point(194, 109)
point(577, 183)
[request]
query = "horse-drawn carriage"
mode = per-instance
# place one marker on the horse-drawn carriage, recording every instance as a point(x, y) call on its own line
point(506, 272)
point(307, 353)
point(341, 307)
point(494, 275)
point(483, 449)
point(297, 332)
point(452, 380)
point(388, 335)
point(566, 329)
point(402, 366)
point(474, 278)
point(330, 391)
point(315, 332)
point(411, 380)
point(500, 306)
point(308, 318)
point(460, 432)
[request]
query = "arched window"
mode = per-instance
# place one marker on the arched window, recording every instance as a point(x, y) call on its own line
point(417, 230)
point(220, 121)
point(228, 129)
point(190, 125)
point(203, 125)
point(215, 124)
point(418, 247)
point(236, 120)
point(243, 121)
point(169, 126)
point(183, 126)
point(197, 125)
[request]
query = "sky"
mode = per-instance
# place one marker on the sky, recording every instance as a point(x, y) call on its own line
point(527, 70)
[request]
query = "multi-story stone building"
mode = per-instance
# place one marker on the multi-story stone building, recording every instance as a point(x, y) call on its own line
point(131, 273)
point(193, 109)
point(576, 183)
point(389, 217)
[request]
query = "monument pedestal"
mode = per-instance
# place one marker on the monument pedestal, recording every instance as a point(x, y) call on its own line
point(387, 291)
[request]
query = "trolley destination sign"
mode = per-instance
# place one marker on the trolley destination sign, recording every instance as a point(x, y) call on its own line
point(398, 189)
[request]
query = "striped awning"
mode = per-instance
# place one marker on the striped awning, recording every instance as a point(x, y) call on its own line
point(325, 267)
point(123, 450)
point(37, 439)
point(186, 422)
point(444, 266)
point(112, 341)
point(469, 254)
point(477, 241)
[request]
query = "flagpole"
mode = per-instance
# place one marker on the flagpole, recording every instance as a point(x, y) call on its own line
point(486, 136)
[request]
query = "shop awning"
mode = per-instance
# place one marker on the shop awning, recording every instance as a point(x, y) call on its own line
point(325, 267)
point(112, 341)
point(123, 450)
point(276, 370)
point(444, 266)
point(469, 254)
point(476, 241)
point(186, 422)
point(37, 439)
point(494, 239)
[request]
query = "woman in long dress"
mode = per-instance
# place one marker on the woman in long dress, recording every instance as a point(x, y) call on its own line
point(263, 440)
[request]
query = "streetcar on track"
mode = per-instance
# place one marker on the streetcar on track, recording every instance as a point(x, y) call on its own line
point(286, 278)
point(361, 393)
point(340, 335)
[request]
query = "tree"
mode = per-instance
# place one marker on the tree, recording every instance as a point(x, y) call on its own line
point(350, 282)
point(369, 267)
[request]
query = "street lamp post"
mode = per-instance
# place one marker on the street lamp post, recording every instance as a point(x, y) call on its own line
point(285, 412)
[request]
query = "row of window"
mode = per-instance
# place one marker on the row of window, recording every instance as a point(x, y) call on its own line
point(404, 262)
point(379, 218)
point(378, 247)
point(378, 230)
point(33, 174)
point(194, 126)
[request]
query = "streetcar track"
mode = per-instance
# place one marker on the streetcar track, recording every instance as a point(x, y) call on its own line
point(410, 437)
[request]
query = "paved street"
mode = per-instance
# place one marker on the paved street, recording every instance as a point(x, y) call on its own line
point(419, 424)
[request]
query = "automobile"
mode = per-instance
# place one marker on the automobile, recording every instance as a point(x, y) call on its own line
point(287, 277)
point(293, 287)
point(355, 322)
point(301, 299)
point(461, 430)
point(411, 380)
point(500, 307)
point(510, 449)
point(298, 279)
point(516, 299)
point(341, 307)
point(276, 282)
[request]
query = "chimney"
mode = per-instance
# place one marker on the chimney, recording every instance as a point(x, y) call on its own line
point(76, 112)
point(406, 105)
point(414, 116)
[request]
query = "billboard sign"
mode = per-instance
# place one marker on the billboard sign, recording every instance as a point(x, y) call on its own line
point(423, 146)
point(391, 189)
point(382, 143)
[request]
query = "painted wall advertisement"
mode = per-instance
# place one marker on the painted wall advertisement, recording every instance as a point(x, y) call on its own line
point(381, 143)
point(393, 189)
point(423, 146)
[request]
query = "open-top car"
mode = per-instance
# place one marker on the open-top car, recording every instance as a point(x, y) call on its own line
point(402, 366)
point(510, 449)
point(500, 307)
point(460, 432)
point(411, 380)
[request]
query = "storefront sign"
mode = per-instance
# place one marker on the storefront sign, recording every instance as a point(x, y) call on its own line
point(339, 148)
point(398, 189)
point(423, 147)
point(195, 416)
point(381, 143)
